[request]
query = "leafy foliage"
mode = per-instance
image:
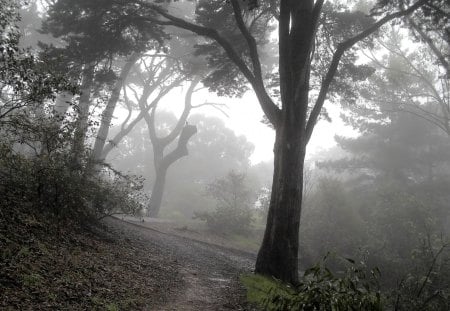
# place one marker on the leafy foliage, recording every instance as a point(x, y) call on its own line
point(49, 184)
point(99, 30)
point(24, 80)
point(233, 211)
point(226, 79)
point(319, 289)
point(36, 165)
point(427, 288)
point(397, 176)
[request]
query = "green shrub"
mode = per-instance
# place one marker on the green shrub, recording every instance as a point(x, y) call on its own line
point(426, 286)
point(319, 289)
point(37, 171)
point(233, 212)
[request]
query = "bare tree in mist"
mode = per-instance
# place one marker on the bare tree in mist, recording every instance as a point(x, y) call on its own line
point(156, 81)
point(161, 160)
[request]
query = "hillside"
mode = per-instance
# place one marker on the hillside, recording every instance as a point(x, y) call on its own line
point(114, 266)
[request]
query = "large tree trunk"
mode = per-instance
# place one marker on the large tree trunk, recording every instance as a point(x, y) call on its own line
point(278, 255)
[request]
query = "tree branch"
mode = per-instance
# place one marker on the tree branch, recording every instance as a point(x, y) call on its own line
point(251, 42)
point(268, 106)
point(341, 49)
point(431, 44)
point(181, 149)
point(187, 109)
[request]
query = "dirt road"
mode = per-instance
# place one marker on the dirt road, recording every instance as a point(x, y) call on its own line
point(209, 273)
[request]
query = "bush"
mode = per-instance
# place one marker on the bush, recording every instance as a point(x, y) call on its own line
point(37, 171)
point(319, 289)
point(48, 184)
point(426, 287)
point(37, 165)
point(233, 212)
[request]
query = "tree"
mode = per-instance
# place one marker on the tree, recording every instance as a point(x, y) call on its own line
point(94, 35)
point(115, 68)
point(294, 120)
point(162, 74)
point(34, 173)
point(213, 151)
point(234, 200)
point(398, 182)
point(431, 26)
point(162, 161)
point(412, 81)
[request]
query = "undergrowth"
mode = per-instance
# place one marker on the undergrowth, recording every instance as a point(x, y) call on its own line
point(319, 289)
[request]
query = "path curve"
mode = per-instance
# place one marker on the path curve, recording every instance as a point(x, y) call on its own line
point(210, 273)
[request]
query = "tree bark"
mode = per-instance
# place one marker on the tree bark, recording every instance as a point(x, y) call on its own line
point(278, 255)
point(157, 193)
point(107, 114)
point(163, 163)
point(83, 115)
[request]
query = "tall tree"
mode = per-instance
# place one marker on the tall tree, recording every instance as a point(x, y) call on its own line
point(213, 151)
point(299, 26)
point(412, 81)
point(94, 34)
point(162, 159)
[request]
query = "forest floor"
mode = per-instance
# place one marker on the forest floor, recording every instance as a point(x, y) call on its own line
point(115, 266)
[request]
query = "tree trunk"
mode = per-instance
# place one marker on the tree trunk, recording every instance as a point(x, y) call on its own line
point(278, 255)
point(107, 114)
point(157, 192)
point(162, 164)
point(83, 115)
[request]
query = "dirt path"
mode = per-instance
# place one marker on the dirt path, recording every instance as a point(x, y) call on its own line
point(209, 273)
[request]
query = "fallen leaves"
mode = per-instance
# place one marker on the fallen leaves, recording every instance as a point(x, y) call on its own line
point(44, 265)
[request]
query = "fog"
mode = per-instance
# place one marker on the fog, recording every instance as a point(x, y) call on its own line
point(167, 114)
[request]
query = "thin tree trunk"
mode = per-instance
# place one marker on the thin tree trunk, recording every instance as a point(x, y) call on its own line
point(278, 255)
point(162, 164)
point(83, 115)
point(157, 192)
point(107, 114)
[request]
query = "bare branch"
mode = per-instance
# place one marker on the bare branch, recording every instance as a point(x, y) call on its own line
point(217, 106)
